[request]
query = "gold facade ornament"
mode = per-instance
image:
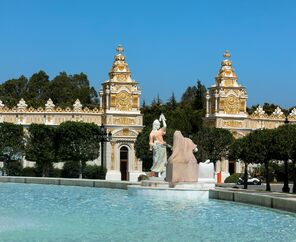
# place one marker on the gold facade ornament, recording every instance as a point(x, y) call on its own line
point(125, 131)
point(120, 48)
point(232, 104)
point(124, 121)
point(232, 123)
point(120, 67)
point(123, 101)
point(226, 75)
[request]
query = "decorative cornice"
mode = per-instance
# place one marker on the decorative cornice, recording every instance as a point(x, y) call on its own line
point(22, 107)
point(259, 113)
point(277, 114)
point(292, 115)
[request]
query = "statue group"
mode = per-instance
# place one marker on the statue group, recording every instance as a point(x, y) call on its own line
point(182, 165)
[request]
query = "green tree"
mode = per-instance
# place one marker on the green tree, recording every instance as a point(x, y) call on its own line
point(13, 90)
point(41, 147)
point(285, 137)
point(194, 96)
point(62, 90)
point(260, 149)
point(78, 142)
point(200, 97)
point(213, 143)
point(172, 103)
point(37, 92)
point(142, 148)
point(11, 143)
point(239, 150)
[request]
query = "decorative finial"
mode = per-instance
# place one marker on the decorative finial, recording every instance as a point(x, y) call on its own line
point(119, 49)
point(226, 54)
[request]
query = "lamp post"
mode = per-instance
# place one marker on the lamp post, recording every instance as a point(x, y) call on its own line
point(104, 137)
point(286, 187)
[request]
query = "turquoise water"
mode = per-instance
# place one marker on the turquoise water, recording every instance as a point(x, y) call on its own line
point(56, 213)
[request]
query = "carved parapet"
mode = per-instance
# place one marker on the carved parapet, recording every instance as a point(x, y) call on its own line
point(31, 109)
point(292, 115)
point(259, 113)
point(86, 110)
point(49, 106)
point(77, 106)
point(277, 114)
point(95, 110)
point(67, 109)
point(5, 109)
point(22, 106)
point(1, 105)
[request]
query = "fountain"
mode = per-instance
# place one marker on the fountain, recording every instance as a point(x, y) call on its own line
point(180, 175)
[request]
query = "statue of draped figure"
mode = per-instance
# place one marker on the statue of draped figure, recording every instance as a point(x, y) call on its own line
point(182, 165)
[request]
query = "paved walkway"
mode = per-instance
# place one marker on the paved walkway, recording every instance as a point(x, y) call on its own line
point(278, 200)
point(275, 187)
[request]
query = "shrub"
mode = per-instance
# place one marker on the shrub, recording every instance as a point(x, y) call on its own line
point(56, 172)
point(233, 178)
point(14, 168)
point(29, 171)
point(94, 172)
point(143, 177)
point(71, 169)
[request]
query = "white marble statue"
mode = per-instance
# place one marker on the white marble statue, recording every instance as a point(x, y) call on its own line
point(158, 146)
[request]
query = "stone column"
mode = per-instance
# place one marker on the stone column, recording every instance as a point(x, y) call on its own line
point(216, 101)
point(208, 104)
point(107, 98)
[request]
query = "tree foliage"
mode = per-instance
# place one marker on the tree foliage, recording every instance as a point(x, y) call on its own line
point(285, 143)
point(12, 135)
point(41, 147)
point(213, 143)
point(64, 89)
point(78, 142)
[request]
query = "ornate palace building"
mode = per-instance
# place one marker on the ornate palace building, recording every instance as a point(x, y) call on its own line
point(119, 112)
point(226, 107)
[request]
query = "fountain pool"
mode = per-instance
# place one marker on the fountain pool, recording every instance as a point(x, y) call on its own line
point(31, 212)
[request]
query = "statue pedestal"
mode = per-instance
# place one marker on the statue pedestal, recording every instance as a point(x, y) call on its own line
point(197, 191)
point(200, 186)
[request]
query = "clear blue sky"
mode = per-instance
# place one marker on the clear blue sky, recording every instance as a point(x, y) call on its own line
point(168, 44)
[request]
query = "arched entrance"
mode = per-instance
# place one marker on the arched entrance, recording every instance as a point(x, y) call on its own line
point(124, 163)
